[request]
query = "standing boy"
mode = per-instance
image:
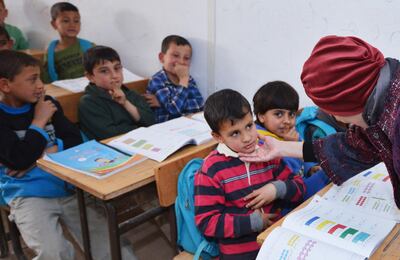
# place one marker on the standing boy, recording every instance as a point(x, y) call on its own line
point(172, 92)
point(228, 191)
point(108, 108)
point(32, 124)
point(19, 41)
point(63, 59)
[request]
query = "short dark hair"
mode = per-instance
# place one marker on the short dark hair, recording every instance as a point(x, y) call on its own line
point(178, 40)
point(275, 95)
point(12, 63)
point(2, 3)
point(3, 32)
point(98, 54)
point(59, 7)
point(225, 105)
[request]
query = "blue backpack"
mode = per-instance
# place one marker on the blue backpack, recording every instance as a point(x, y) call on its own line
point(189, 236)
point(51, 67)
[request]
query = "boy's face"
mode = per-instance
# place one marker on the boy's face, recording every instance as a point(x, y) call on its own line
point(107, 75)
point(278, 121)
point(68, 24)
point(239, 137)
point(26, 87)
point(5, 44)
point(176, 54)
point(3, 14)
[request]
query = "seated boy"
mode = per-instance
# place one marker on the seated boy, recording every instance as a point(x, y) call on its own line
point(63, 59)
point(108, 108)
point(5, 41)
point(19, 41)
point(172, 92)
point(31, 124)
point(235, 200)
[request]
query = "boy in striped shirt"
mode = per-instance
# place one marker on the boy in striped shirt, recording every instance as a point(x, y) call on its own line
point(235, 200)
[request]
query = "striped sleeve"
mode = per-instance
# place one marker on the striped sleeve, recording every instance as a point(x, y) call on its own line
point(209, 210)
point(295, 187)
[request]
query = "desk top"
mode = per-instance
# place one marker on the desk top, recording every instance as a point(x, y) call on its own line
point(126, 180)
point(389, 249)
point(38, 54)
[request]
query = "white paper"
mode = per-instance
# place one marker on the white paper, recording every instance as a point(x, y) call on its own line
point(79, 84)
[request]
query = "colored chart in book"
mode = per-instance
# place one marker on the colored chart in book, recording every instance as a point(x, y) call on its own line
point(142, 144)
point(376, 173)
point(336, 229)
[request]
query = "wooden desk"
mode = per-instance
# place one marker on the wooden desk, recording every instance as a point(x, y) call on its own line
point(38, 54)
point(112, 188)
point(69, 100)
point(389, 249)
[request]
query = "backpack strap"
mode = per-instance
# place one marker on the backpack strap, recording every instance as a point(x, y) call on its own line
point(51, 67)
point(200, 249)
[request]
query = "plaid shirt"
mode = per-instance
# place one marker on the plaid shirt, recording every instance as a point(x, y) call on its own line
point(175, 100)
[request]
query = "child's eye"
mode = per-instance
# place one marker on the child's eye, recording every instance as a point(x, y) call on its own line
point(118, 67)
point(279, 114)
point(249, 126)
point(103, 71)
point(292, 114)
point(235, 134)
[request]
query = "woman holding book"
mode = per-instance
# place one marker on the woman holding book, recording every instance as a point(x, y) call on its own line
point(350, 79)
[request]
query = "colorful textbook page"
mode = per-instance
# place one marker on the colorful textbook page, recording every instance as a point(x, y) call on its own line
point(370, 192)
point(94, 159)
point(161, 140)
point(284, 244)
point(340, 227)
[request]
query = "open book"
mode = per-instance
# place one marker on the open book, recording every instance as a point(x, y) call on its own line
point(159, 141)
point(94, 159)
point(349, 222)
point(79, 84)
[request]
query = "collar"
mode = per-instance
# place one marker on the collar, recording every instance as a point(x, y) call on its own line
point(225, 150)
point(15, 110)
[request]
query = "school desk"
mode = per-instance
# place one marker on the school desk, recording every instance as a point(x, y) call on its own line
point(69, 100)
point(38, 54)
point(388, 250)
point(115, 188)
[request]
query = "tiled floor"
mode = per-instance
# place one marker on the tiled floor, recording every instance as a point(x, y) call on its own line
point(149, 241)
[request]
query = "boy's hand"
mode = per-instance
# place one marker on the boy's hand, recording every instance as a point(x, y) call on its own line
point(44, 110)
point(262, 196)
point(19, 173)
point(266, 218)
point(292, 135)
point(118, 96)
point(182, 71)
point(313, 170)
point(151, 100)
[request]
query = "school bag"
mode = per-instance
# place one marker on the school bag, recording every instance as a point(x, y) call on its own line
point(311, 126)
point(51, 67)
point(189, 237)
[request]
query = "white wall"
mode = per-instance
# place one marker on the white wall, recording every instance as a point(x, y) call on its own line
point(239, 44)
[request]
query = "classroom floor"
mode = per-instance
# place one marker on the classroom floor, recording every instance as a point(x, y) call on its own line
point(149, 241)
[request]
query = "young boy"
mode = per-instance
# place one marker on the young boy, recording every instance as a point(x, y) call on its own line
point(19, 41)
point(5, 41)
point(172, 92)
point(275, 106)
point(228, 190)
point(31, 124)
point(108, 108)
point(63, 59)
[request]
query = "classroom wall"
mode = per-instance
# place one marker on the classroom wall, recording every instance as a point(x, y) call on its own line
point(239, 44)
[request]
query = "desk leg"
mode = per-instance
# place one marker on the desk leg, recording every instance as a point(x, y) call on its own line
point(173, 231)
point(84, 224)
point(113, 231)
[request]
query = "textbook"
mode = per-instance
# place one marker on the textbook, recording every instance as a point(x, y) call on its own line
point(355, 216)
point(94, 159)
point(161, 140)
point(326, 230)
point(79, 84)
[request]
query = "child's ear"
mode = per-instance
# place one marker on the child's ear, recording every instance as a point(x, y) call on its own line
point(261, 118)
point(4, 85)
point(53, 24)
point(161, 57)
point(217, 137)
point(89, 76)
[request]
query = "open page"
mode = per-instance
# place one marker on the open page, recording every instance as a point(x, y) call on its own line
point(200, 132)
point(282, 243)
point(370, 191)
point(79, 84)
point(94, 159)
point(339, 226)
point(150, 142)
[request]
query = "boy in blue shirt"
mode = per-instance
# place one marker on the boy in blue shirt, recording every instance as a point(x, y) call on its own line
point(63, 59)
point(32, 124)
point(172, 92)
point(19, 41)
